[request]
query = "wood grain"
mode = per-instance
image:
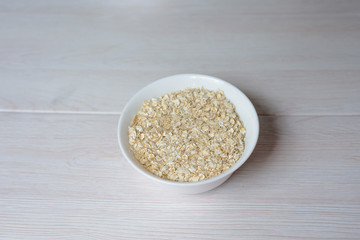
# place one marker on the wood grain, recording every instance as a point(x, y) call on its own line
point(289, 57)
point(67, 68)
point(73, 182)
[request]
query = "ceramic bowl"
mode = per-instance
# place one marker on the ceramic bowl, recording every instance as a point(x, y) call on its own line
point(243, 106)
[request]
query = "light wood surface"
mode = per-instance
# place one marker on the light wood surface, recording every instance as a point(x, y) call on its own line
point(67, 68)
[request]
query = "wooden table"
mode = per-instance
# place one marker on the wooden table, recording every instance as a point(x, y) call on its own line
point(68, 67)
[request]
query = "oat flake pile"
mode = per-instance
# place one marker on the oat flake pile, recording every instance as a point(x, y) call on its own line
point(188, 135)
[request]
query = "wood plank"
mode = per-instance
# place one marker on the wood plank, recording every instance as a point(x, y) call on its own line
point(62, 176)
point(273, 93)
point(289, 57)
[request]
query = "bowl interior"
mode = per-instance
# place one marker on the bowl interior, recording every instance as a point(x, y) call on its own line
point(158, 88)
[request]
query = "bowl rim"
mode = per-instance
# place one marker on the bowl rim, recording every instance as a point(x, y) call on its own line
point(198, 183)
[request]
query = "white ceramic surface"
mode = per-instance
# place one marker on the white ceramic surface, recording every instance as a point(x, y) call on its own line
point(243, 106)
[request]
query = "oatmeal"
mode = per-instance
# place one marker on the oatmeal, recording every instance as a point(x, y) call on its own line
point(188, 135)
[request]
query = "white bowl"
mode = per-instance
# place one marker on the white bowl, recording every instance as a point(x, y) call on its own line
point(243, 106)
